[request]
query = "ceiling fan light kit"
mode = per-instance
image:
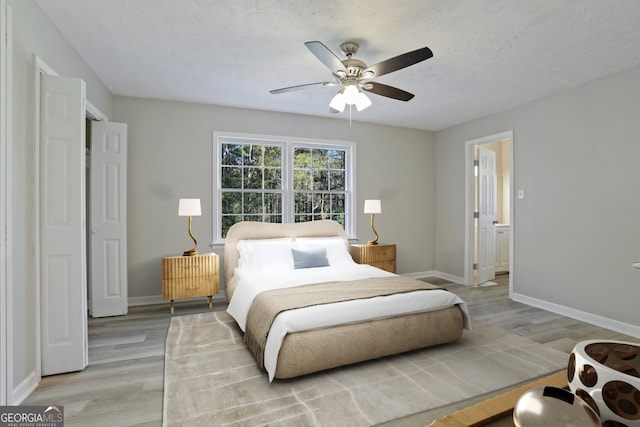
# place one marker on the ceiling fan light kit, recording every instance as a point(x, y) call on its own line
point(350, 95)
point(354, 76)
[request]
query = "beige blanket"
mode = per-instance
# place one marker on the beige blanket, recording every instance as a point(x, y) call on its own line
point(267, 305)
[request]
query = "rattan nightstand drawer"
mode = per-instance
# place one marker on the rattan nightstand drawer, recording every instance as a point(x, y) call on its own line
point(189, 287)
point(381, 255)
point(175, 267)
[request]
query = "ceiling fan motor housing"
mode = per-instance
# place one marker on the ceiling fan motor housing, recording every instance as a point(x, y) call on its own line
point(354, 66)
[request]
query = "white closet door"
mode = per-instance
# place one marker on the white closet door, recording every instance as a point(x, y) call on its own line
point(63, 275)
point(487, 214)
point(108, 219)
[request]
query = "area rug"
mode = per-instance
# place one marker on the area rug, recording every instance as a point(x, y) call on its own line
point(212, 379)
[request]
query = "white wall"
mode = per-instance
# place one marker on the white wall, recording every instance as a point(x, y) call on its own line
point(577, 232)
point(32, 34)
point(171, 156)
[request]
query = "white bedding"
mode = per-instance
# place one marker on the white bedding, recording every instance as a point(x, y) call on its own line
point(250, 283)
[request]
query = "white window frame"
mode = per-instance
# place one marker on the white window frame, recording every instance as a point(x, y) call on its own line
point(289, 144)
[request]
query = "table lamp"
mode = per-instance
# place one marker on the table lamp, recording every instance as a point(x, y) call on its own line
point(372, 207)
point(189, 208)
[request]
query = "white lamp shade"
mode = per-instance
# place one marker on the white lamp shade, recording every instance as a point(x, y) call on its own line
point(189, 207)
point(372, 206)
point(362, 102)
point(351, 94)
point(338, 103)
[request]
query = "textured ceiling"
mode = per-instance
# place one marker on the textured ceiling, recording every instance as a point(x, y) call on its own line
point(489, 55)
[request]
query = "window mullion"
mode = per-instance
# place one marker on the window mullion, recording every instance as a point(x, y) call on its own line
point(287, 184)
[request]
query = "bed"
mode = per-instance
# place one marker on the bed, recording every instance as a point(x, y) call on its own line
point(330, 324)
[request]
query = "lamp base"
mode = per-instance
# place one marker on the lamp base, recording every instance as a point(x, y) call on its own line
point(190, 252)
point(375, 233)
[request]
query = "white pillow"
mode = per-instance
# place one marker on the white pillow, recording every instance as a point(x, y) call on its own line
point(265, 254)
point(336, 247)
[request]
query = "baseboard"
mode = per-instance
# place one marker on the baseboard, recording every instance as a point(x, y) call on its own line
point(149, 300)
point(24, 389)
point(603, 322)
point(450, 277)
point(157, 299)
point(420, 274)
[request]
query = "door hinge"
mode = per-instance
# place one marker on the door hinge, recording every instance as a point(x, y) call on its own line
point(476, 214)
point(476, 162)
point(475, 266)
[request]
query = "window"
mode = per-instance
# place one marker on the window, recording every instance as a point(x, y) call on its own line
point(251, 186)
point(282, 180)
point(319, 178)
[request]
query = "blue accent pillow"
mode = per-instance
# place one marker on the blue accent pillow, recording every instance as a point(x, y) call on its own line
point(309, 258)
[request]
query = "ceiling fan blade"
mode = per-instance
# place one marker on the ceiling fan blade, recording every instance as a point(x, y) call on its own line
point(399, 62)
point(388, 91)
point(300, 87)
point(325, 56)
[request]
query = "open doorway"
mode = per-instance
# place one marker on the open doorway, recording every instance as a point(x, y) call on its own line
point(489, 221)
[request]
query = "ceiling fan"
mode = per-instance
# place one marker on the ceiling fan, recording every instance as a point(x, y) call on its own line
point(354, 76)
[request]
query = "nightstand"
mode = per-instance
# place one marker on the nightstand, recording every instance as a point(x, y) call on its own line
point(382, 255)
point(190, 277)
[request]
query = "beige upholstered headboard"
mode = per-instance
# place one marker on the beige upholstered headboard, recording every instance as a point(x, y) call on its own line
point(262, 230)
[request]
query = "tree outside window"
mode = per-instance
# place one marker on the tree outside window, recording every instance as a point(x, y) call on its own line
point(251, 183)
point(319, 184)
point(282, 181)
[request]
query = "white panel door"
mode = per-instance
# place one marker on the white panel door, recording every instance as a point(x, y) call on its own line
point(502, 248)
point(487, 188)
point(63, 275)
point(108, 219)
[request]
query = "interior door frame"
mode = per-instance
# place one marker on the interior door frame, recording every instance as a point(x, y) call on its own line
point(6, 281)
point(41, 68)
point(469, 190)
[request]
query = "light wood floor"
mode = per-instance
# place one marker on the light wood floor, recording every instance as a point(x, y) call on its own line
point(123, 384)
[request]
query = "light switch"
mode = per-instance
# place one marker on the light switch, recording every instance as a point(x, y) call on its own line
point(520, 194)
